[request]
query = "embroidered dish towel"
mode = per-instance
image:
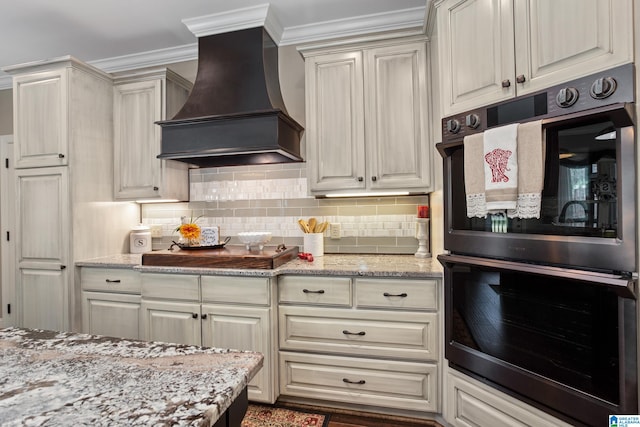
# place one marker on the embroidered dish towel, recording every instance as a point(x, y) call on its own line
point(531, 153)
point(474, 176)
point(501, 167)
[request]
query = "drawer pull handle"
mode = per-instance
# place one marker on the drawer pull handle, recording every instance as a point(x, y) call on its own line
point(361, 333)
point(112, 281)
point(307, 291)
point(402, 295)
point(348, 381)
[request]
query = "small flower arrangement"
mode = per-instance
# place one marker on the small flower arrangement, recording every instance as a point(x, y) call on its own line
point(190, 231)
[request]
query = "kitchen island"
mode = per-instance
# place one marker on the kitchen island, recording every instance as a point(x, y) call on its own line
point(60, 378)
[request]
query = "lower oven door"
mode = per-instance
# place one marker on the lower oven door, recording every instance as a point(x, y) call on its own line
point(560, 339)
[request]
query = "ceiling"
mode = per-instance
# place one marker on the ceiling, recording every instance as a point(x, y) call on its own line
point(123, 34)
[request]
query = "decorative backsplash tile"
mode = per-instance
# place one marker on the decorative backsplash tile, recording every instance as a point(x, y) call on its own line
point(273, 198)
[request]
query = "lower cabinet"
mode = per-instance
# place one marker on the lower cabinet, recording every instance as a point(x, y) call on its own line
point(214, 311)
point(368, 341)
point(111, 302)
point(470, 403)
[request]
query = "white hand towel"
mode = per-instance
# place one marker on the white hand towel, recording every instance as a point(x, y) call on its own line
point(501, 167)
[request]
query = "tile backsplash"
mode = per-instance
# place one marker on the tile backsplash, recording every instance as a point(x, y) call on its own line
point(273, 198)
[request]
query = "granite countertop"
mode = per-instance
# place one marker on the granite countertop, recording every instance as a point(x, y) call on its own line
point(407, 266)
point(61, 378)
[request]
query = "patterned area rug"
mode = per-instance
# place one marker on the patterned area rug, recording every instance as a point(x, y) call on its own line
point(272, 416)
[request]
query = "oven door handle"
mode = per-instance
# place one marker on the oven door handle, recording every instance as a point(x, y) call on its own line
point(623, 286)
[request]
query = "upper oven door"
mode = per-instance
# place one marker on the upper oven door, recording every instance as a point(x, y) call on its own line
point(587, 217)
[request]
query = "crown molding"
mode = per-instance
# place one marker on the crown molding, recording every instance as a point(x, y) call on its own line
point(360, 25)
point(150, 58)
point(259, 16)
point(238, 19)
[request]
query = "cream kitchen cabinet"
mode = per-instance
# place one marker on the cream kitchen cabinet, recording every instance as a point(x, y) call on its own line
point(367, 341)
point(111, 302)
point(215, 311)
point(470, 403)
point(141, 99)
point(64, 209)
point(492, 50)
point(367, 114)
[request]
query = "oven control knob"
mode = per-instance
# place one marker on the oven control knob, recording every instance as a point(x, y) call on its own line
point(603, 87)
point(566, 97)
point(453, 126)
point(472, 120)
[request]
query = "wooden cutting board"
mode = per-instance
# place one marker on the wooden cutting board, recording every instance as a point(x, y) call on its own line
point(228, 257)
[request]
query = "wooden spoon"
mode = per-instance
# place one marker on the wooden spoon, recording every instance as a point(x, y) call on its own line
point(303, 225)
point(312, 225)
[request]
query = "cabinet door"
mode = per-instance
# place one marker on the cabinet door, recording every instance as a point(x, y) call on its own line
point(110, 314)
point(171, 322)
point(41, 119)
point(42, 247)
point(396, 116)
point(594, 34)
point(137, 106)
point(335, 121)
point(476, 53)
point(243, 329)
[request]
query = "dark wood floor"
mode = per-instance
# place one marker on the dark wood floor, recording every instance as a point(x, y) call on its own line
point(345, 418)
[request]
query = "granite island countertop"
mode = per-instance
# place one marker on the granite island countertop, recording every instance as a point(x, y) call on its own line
point(61, 378)
point(407, 266)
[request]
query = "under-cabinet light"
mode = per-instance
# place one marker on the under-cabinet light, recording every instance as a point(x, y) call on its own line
point(157, 201)
point(369, 194)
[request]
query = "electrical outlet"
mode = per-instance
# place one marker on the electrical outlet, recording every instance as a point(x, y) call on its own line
point(156, 231)
point(335, 231)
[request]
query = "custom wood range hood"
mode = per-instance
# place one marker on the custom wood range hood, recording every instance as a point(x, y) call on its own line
point(235, 114)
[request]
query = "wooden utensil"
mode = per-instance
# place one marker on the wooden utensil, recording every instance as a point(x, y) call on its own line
point(304, 226)
point(312, 225)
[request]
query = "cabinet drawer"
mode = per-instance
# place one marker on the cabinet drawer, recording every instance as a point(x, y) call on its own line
point(359, 332)
point(397, 294)
point(233, 289)
point(315, 290)
point(171, 286)
point(386, 383)
point(110, 280)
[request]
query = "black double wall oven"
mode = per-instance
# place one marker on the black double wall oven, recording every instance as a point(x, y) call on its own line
point(544, 308)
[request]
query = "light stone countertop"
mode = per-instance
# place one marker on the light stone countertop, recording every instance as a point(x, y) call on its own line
point(407, 266)
point(62, 378)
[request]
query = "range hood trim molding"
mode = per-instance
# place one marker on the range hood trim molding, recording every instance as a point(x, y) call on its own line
point(238, 19)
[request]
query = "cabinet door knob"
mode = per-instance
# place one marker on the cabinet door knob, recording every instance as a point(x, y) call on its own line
point(521, 78)
point(194, 315)
point(506, 83)
point(155, 188)
point(112, 281)
point(60, 156)
point(204, 316)
point(348, 381)
point(63, 267)
point(360, 179)
point(374, 178)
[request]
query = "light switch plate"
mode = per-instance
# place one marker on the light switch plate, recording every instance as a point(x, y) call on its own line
point(335, 231)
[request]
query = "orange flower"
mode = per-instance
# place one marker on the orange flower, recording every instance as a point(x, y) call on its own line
point(190, 231)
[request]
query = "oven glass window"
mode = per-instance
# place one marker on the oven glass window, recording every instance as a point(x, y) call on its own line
point(579, 196)
point(557, 328)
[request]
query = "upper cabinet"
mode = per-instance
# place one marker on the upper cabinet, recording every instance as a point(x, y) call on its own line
point(140, 100)
point(367, 114)
point(41, 118)
point(492, 50)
